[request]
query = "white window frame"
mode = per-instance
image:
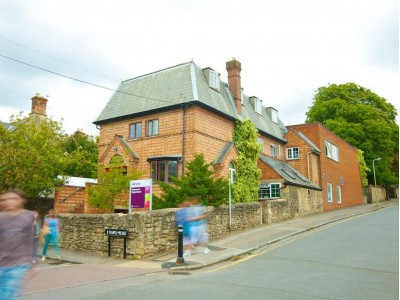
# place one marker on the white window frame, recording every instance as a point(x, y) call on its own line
point(260, 141)
point(338, 194)
point(214, 80)
point(274, 116)
point(329, 192)
point(258, 106)
point(331, 151)
point(275, 150)
point(270, 188)
point(290, 153)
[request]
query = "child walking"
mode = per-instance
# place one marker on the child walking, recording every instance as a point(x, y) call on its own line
point(51, 224)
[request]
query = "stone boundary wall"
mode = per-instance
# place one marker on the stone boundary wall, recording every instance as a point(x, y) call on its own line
point(150, 232)
point(376, 194)
point(299, 202)
point(155, 232)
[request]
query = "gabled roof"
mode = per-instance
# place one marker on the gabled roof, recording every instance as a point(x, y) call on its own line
point(118, 138)
point(182, 84)
point(224, 152)
point(306, 139)
point(127, 147)
point(290, 175)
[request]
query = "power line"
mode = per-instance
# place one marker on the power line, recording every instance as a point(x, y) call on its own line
point(54, 58)
point(81, 81)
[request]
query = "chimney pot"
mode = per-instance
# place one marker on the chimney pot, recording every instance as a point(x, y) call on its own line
point(234, 81)
point(39, 105)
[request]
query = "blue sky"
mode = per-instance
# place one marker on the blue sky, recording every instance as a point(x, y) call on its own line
point(287, 48)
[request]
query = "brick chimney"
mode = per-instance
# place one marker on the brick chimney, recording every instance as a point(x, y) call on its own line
point(39, 105)
point(234, 67)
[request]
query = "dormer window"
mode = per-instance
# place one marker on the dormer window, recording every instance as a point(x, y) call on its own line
point(273, 114)
point(258, 106)
point(214, 80)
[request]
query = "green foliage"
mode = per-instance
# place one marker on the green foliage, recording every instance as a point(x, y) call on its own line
point(245, 187)
point(365, 120)
point(197, 181)
point(363, 168)
point(32, 155)
point(82, 155)
point(111, 182)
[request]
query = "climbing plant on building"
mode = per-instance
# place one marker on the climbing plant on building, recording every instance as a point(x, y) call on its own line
point(245, 187)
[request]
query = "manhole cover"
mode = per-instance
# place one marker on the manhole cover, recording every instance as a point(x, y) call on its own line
point(179, 273)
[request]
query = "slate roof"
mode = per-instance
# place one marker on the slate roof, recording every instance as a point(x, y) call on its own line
point(7, 126)
point(181, 84)
point(290, 175)
point(225, 150)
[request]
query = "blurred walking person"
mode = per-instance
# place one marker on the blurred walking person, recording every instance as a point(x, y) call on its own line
point(182, 218)
point(199, 226)
point(37, 224)
point(16, 242)
point(51, 229)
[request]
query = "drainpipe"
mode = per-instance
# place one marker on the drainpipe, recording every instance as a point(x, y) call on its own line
point(183, 137)
point(308, 166)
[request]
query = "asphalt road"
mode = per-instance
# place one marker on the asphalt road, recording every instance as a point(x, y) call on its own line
point(357, 258)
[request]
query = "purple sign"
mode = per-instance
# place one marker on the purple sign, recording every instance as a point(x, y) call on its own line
point(140, 192)
point(137, 197)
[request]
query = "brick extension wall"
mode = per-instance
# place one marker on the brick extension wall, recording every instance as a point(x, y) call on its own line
point(344, 173)
point(69, 199)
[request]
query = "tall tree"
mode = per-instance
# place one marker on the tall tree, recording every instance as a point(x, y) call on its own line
point(82, 155)
point(32, 155)
point(199, 180)
point(245, 187)
point(365, 120)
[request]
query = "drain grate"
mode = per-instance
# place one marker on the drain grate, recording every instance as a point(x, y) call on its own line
point(179, 273)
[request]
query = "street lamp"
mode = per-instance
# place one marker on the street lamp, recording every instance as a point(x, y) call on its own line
point(373, 167)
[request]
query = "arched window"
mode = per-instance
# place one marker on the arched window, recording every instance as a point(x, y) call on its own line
point(117, 161)
point(232, 172)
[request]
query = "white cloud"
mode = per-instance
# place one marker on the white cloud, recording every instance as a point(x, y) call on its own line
point(287, 49)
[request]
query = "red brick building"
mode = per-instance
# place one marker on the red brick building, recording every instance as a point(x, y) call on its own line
point(327, 161)
point(159, 121)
